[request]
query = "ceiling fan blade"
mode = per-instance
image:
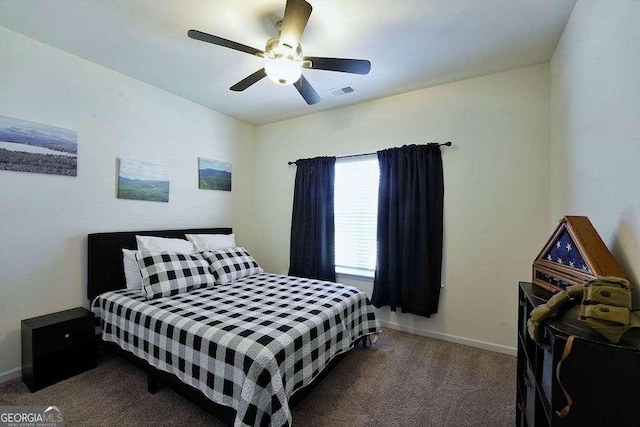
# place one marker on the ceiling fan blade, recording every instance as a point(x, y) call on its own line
point(307, 91)
point(199, 35)
point(354, 66)
point(296, 15)
point(248, 81)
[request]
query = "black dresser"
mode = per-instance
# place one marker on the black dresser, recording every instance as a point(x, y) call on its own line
point(602, 379)
point(57, 346)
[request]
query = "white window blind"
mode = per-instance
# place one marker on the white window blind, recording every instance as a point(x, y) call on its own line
point(356, 212)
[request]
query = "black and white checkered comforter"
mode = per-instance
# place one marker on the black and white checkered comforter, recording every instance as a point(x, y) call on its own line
point(248, 345)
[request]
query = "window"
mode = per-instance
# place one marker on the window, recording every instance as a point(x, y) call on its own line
point(356, 212)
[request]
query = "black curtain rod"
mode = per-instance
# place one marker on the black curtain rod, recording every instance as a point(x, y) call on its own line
point(446, 144)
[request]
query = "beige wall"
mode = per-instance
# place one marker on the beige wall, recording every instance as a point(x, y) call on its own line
point(44, 219)
point(496, 189)
point(595, 125)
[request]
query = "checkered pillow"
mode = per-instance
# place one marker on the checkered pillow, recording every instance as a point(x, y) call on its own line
point(167, 274)
point(229, 265)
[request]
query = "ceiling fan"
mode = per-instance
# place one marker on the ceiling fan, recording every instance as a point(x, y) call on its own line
point(283, 54)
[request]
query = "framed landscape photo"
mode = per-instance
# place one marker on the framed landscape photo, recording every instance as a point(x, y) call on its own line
point(214, 174)
point(37, 148)
point(143, 181)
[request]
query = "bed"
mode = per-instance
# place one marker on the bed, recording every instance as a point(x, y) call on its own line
point(251, 345)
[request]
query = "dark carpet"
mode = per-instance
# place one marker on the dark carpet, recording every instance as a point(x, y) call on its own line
point(404, 380)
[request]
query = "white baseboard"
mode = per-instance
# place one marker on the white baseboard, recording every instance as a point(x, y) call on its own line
point(10, 375)
point(498, 348)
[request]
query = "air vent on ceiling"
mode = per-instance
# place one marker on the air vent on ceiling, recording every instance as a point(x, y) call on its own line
point(342, 91)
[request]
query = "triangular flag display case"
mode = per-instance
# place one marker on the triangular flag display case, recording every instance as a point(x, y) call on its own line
point(575, 254)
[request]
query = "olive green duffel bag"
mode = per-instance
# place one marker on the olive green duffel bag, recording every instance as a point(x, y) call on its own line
point(605, 306)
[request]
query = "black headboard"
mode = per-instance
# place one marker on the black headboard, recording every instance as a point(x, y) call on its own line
point(106, 272)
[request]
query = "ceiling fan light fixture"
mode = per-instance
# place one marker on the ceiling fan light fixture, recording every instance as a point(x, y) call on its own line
point(283, 70)
point(283, 54)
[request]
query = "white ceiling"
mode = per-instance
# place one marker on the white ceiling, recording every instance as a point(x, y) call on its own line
point(411, 44)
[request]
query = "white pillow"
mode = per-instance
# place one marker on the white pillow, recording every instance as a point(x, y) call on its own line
point(132, 274)
point(211, 242)
point(161, 244)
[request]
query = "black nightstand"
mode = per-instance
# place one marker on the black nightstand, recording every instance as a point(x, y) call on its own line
point(57, 346)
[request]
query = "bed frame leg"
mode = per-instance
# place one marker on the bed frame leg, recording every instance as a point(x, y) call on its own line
point(364, 341)
point(153, 386)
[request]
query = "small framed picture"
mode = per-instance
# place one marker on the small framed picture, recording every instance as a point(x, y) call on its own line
point(37, 148)
point(214, 174)
point(143, 181)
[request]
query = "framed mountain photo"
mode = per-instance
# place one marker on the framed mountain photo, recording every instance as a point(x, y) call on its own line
point(37, 148)
point(143, 181)
point(214, 174)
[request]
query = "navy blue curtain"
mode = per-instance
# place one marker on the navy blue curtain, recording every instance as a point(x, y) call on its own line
point(410, 226)
point(312, 224)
